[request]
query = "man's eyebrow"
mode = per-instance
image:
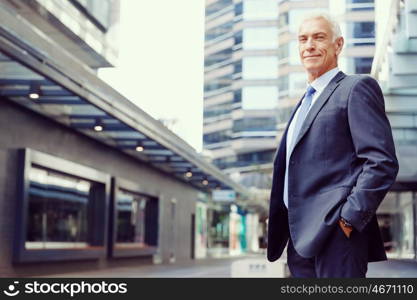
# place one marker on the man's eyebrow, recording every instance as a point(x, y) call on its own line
point(314, 34)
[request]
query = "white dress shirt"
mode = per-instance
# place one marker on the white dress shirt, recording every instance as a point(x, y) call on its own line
point(319, 84)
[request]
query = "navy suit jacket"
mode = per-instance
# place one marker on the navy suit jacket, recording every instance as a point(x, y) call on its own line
point(343, 164)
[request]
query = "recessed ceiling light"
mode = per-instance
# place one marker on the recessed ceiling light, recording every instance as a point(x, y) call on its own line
point(188, 174)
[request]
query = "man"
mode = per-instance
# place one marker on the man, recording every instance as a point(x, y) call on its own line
point(335, 164)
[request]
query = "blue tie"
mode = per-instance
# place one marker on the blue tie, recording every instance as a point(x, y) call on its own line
point(302, 114)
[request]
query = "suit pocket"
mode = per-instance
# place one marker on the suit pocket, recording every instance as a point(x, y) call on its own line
point(340, 197)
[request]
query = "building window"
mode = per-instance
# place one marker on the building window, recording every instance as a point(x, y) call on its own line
point(238, 9)
point(238, 38)
point(218, 57)
point(283, 84)
point(283, 51)
point(218, 83)
point(260, 157)
point(260, 38)
point(66, 208)
point(260, 10)
point(259, 97)
point(218, 6)
point(217, 137)
point(361, 30)
point(237, 67)
point(357, 5)
point(283, 20)
point(218, 110)
point(254, 124)
point(222, 30)
point(237, 96)
point(225, 162)
point(135, 220)
point(363, 65)
point(260, 67)
point(284, 115)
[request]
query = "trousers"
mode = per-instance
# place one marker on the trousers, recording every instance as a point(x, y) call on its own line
point(339, 257)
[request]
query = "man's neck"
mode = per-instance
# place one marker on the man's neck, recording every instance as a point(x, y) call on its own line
point(311, 76)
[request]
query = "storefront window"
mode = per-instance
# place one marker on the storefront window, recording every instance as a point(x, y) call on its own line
point(61, 209)
point(59, 206)
point(131, 209)
point(135, 220)
point(219, 231)
point(201, 230)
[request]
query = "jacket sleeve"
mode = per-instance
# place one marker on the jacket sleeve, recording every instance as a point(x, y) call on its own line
point(374, 149)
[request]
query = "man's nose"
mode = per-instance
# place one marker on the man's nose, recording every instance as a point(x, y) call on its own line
point(310, 44)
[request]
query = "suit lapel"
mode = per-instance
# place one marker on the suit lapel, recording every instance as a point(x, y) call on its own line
point(324, 96)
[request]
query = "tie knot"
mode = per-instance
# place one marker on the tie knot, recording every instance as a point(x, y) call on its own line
point(310, 91)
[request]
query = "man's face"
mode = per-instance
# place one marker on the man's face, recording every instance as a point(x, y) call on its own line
point(318, 52)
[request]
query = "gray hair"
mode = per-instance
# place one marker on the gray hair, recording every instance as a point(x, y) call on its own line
point(334, 25)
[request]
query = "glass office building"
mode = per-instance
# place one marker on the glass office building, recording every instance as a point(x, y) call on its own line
point(241, 86)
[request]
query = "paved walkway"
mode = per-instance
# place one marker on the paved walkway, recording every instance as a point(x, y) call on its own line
point(393, 268)
point(222, 268)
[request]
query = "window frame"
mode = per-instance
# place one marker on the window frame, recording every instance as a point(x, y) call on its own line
point(136, 188)
point(28, 157)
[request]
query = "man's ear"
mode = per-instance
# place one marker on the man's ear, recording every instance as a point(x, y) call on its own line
point(340, 41)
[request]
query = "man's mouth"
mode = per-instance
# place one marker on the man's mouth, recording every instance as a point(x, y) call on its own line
point(311, 56)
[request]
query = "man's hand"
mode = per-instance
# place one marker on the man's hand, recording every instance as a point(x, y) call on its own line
point(347, 230)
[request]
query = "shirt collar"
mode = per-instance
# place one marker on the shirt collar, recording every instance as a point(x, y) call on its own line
point(320, 83)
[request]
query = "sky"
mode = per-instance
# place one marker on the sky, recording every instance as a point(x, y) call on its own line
point(161, 62)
